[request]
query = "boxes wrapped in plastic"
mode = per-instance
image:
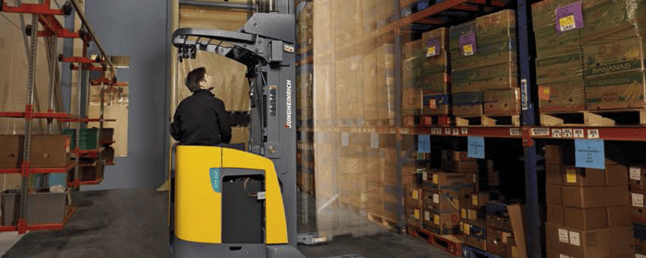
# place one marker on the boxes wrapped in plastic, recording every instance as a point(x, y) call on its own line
point(613, 54)
point(467, 103)
point(411, 100)
point(562, 96)
point(386, 81)
point(411, 63)
point(436, 104)
point(502, 102)
point(551, 43)
point(435, 53)
point(568, 66)
point(487, 54)
point(370, 93)
point(496, 27)
point(349, 89)
point(605, 17)
point(616, 91)
point(500, 76)
point(457, 31)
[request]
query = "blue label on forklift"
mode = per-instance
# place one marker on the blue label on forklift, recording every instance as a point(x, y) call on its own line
point(215, 179)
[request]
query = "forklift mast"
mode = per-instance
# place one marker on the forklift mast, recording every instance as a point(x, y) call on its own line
point(266, 46)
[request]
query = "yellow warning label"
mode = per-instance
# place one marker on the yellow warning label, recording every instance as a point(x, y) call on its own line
point(415, 195)
point(474, 200)
point(464, 213)
point(467, 229)
point(416, 214)
point(436, 179)
point(436, 220)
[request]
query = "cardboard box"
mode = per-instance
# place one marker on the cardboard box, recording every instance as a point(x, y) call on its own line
point(47, 151)
point(615, 174)
point(413, 52)
point(442, 201)
point(640, 246)
point(602, 18)
point(474, 235)
point(589, 243)
point(553, 194)
point(562, 96)
point(563, 67)
point(436, 83)
point(502, 102)
point(457, 31)
point(637, 174)
point(492, 77)
point(436, 104)
point(476, 216)
point(595, 197)
point(560, 154)
point(581, 177)
point(435, 42)
point(611, 55)
point(638, 210)
point(586, 219)
point(553, 175)
point(498, 216)
point(498, 242)
point(446, 223)
point(414, 197)
point(555, 214)
point(615, 91)
point(555, 254)
point(477, 200)
point(448, 181)
point(499, 52)
point(411, 101)
point(467, 103)
point(495, 26)
point(549, 42)
point(414, 216)
point(370, 93)
point(386, 81)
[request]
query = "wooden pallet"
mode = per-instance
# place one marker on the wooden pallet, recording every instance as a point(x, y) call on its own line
point(386, 122)
point(594, 118)
point(382, 221)
point(487, 120)
point(446, 243)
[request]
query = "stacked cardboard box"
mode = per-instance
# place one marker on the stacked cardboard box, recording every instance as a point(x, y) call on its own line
point(613, 54)
point(473, 221)
point(305, 162)
point(386, 83)
point(304, 97)
point(47, 151)
point(483, 62)
point(638, 190)
point(349, 91)
point(443, 192)
point(559, 61)
point(435, 72)
point(587, 209)
point(411, 80)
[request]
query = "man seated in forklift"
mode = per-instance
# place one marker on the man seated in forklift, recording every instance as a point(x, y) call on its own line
point(201, 119)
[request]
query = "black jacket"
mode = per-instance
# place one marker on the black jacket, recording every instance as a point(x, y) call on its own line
point(201, 119)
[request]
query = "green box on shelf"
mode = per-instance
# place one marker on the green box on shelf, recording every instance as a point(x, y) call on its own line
point(551, 43)
point(89, 138)
point(559, 68)
point(487, 54)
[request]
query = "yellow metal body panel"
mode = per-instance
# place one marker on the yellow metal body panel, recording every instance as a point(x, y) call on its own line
point(198, 207)
point(198, 213)
point(275, 221)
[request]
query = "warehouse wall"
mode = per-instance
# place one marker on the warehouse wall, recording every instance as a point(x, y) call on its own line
point(138, 29)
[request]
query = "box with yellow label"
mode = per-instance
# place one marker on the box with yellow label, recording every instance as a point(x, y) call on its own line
point(441, 201)
point(414, 216)
point(474, 215)
point(446, 223)
point(499, 242)
point(562, 96)
point(608, 56)
point(449, 181)
point(615, 91)
point(414, 197)
point(474, 235)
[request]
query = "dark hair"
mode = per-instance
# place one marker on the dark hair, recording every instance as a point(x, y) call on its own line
point(194, 78)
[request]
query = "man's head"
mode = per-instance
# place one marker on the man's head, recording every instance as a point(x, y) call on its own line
point(198, 79)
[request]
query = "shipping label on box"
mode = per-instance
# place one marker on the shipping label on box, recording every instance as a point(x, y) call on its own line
point(615, 91)
point(458, 31)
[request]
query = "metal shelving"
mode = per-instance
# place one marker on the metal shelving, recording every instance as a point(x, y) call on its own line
point(43, 14)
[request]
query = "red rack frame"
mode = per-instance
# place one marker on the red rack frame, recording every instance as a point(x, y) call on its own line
point(78, 183)
point(22, 226)
point(38, 170)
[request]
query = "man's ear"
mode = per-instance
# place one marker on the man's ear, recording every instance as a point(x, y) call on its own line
point(202, 83)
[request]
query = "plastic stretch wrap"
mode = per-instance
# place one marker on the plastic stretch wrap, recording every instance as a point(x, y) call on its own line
point(595, 61)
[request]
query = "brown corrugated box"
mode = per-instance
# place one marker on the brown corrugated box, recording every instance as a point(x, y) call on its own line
point(553, 175)
point(502, 102)
point(638, 210)
point(594, 197)
point(414, 196)
point(446, 223)
point(573, 176)
point(414, 216)
point(498, 242)
point(555, 214)
point(586, 219)
point(47, 151)
point(469, 238)
point(559, 154)
point(553, 194)
point(442, 201)
point(555, 254)
point(590, 243)
point(637, 174)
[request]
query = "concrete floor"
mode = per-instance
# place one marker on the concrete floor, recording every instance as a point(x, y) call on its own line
point(132, 223)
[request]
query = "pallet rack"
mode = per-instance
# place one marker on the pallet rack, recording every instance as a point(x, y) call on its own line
point(43, 14)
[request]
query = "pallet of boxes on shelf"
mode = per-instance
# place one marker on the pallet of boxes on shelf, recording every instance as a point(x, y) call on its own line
point(588, 210)
point(637, 191)
point(305, 163)
point(305, 32)
point(484, 70)
point(383, 182)
point(590, 57)
point(426, 80)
